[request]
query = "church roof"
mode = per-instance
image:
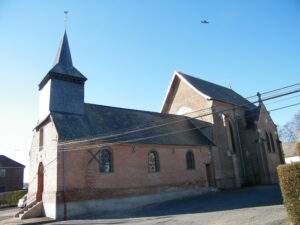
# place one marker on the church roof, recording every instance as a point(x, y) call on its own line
point(7, 162)
point(100, 121)
point(217, 92)
point(63, 66)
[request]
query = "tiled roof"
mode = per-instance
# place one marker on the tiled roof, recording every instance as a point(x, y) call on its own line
point(217, 92)
point(7, 162)
point(100, 121)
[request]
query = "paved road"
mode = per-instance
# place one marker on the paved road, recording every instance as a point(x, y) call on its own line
point(255, 205)
point(6, 213)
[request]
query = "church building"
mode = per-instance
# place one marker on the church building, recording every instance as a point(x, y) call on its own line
point(91, 159)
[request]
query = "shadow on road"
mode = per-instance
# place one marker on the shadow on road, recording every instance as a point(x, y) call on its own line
point(220, 201)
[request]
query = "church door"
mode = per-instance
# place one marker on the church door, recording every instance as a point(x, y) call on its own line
point(209, 175)
point(40, 183)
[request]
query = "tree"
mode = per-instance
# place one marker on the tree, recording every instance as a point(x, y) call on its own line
point(290, 131)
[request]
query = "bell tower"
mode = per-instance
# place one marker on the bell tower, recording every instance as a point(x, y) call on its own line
point(62, 89)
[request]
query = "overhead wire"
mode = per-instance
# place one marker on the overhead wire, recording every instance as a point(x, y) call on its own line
point(143, 127)
point(116, 136)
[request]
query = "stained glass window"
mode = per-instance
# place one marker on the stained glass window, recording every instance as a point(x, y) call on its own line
point(272, 142)
point(232, 137)
point(41, 138)
point(106, 165)
point(190, 160)
point(268, 142)
point(153, 162)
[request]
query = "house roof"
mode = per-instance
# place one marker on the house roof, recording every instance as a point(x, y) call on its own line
point(100, 121)
point(217, 92)
point(63, 66)
point(7, 162)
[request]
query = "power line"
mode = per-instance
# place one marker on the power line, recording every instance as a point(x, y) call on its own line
point(295, 96)
point(181, 119)
point(151, 137)
point(275, 90)
point(138, 128)
point(116, 136)
point(284, 107)
point(155, 136)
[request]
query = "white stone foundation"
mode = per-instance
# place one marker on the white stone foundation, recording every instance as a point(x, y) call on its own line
point(101, 207)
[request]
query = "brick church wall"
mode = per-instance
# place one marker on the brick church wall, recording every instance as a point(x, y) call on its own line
point(130, 176)
point(265, 124)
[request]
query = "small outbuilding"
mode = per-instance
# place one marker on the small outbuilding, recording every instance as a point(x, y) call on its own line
point(11, 174)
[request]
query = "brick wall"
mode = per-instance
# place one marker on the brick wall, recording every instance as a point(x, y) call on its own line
point(130, 174)
point(265, 124)
point(232, 169)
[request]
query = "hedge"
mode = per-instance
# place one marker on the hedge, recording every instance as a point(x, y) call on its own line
point(289, 178)
point(11, 198)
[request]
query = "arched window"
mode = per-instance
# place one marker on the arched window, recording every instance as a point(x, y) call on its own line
point(272, 142)
point(190, 160)
point(106, 162)
point(268, 142)
point(41, 138)
point(153, 162)
point(232, 137)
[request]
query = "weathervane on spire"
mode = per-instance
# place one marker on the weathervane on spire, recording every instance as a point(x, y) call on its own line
point(66, 18)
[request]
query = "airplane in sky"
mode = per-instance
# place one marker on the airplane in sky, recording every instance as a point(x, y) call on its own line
point(204, 22)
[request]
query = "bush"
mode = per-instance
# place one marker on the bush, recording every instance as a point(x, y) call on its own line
point(11, 198)
point(298, 149)
point(289, 178)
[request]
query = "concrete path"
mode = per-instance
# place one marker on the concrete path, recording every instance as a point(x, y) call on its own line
point(255, 205)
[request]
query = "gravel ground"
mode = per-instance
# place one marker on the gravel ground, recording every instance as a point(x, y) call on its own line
point(255, 205)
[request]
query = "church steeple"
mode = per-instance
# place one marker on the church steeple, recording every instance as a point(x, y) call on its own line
point(63, 56)
point(63, 68)
point(62, 89)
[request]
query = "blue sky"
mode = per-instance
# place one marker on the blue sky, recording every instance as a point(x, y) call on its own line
point(128, 50)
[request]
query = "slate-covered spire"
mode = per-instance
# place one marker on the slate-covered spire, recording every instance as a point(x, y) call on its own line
point(63, 56)
point(63, 68)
